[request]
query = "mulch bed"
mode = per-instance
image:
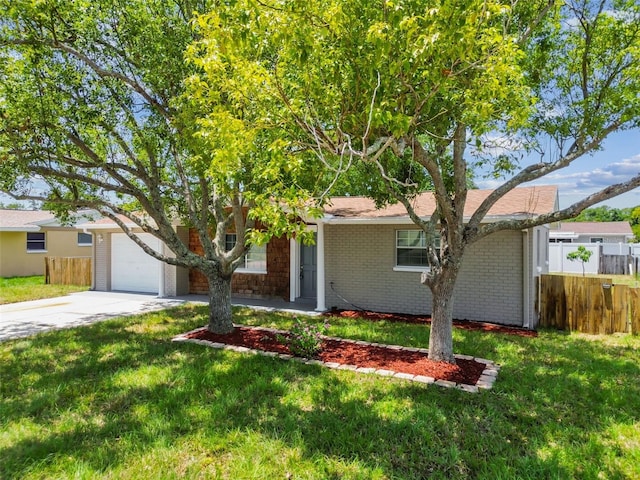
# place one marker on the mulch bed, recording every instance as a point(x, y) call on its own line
point(426, 319)
point(347, 352)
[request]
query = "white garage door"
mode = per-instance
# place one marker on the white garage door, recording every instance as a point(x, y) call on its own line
point(132, 270)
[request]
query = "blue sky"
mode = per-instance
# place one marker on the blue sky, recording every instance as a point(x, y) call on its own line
point(619, 160)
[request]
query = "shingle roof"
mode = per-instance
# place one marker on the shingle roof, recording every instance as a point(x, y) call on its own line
point(597, 228)
point(520, 201)
point(22, 220)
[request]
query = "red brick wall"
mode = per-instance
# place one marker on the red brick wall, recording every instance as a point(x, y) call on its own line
point(274, 284)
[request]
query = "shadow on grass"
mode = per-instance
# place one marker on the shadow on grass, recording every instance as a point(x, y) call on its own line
point(101, 395)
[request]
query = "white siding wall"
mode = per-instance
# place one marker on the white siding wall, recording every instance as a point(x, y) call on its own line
point(605, 238)
point(360, 261)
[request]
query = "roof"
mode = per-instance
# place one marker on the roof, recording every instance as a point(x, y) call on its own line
point(23, 220)
point(105, 223)
point(523, 201)
point(520, 202)
point(593, 228)
point(33, 220)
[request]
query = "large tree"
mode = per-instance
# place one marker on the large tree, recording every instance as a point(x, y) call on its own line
point(94, 114)
point(417, 92)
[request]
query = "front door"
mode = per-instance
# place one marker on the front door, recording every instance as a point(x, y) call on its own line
point(308, 267)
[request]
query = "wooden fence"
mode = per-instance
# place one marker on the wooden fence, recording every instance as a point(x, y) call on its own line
point(618, 264)
point(67, 270)
point(589, 305)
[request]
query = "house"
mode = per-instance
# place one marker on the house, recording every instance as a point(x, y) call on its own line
point(362, 257)
point(28, 236)
point(591, 232)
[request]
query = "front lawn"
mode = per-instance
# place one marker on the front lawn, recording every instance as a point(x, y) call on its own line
point(118, 399)
point(21, 289)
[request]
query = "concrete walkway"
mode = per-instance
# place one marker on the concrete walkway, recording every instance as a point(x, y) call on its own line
point(83, 308)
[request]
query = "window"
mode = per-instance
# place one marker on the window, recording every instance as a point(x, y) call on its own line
point(254, 261)
point(85, 239)
point(411, 249)
point(596, 240)
point(36, 242)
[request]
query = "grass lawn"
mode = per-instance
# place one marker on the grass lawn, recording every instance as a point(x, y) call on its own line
point(118, 399)
point(21, 289)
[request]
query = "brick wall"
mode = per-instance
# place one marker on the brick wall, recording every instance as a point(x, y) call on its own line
point(274, 284)
point(360, 260)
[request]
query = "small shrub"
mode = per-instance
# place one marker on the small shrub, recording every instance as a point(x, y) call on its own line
point(581, 254)
point(305, 339)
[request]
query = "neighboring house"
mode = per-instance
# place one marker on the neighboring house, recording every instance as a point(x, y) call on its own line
point(591, 232)
point(27, 236)
point(363, 257)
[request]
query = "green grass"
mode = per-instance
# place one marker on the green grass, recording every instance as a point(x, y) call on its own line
point(119, 400)
point(21, 289)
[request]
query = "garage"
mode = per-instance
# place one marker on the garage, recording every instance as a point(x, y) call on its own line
point(132, 270)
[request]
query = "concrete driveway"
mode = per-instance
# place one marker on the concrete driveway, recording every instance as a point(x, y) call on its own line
point(82, 308)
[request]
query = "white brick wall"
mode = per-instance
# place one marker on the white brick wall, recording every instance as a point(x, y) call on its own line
point(360, 260)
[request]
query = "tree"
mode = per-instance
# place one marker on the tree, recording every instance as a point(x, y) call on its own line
point(94, 113)
point(635, 222)
point(603, 214)
point(581, 254)
point(415, 91)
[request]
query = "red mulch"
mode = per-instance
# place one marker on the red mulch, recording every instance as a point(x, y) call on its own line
point(349, 353)
point(463, 324)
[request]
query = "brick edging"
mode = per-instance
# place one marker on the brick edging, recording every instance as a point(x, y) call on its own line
point(485, 382)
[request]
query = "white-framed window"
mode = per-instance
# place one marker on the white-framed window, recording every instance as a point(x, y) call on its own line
point(85, 239)
point(36, 242)
point(411, 250)
point(596, 240)
point(254, 261)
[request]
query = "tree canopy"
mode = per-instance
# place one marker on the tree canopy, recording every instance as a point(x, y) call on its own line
point(100, 109)
point(414, 92)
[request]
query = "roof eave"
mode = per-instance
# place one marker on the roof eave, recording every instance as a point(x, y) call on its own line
point(26, 228)
point(405, 220)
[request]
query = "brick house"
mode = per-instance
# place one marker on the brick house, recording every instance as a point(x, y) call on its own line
point(370, 258)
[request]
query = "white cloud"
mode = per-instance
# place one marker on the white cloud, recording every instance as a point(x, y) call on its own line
point(574, 186)
point(596, 179)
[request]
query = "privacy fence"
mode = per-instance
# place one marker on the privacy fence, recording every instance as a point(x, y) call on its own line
point(606, 258)
point(67, 270)
point(588, 305)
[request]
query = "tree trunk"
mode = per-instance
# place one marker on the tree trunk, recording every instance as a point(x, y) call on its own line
point(220, 315)
point(441, 337)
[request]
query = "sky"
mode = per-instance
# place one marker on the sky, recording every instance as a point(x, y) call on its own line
point(619, 160)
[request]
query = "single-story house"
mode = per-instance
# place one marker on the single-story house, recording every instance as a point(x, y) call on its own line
point(591, 232)
point(365, 257)
point(28, 236)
